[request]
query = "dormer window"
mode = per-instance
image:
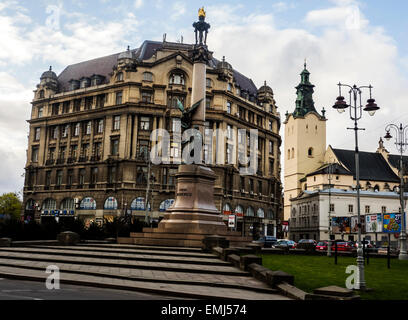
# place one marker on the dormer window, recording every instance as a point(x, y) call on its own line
point(119, 76)
point(177, 78)
point(238, 91)
point(229, 87)
point(85, 82)
point(73, 85)
point(148, 76)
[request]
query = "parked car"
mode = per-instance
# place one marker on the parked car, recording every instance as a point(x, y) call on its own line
point(306, 244)
point(292, 244)
point(282, 244)
point(267, 241)
point(321, 246)
point(343, 246)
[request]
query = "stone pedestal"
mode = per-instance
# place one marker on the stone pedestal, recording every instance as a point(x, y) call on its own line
point(193, 217)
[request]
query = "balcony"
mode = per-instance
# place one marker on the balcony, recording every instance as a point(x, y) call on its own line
point(83, 159)
point(61, 161)
point(71, 160)
point(49, 162)
point(96, 158)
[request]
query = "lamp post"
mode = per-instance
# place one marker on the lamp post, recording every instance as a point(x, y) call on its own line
point(356, 112)
point(330, 221)
point(401, 143)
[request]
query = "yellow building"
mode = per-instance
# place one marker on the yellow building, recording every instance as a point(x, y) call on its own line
point(305, 141)
point(90, 132)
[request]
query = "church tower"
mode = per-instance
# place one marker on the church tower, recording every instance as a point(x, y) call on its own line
point(305, 141)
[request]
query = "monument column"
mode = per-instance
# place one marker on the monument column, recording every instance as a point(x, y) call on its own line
point(200, 56)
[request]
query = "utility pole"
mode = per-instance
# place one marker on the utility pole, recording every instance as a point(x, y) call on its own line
point(330, 221)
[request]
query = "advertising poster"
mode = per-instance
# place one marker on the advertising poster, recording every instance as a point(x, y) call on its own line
point(341, 224)
point(231, 221)
point(354, 224)
point(392, 223)
point(373, 223)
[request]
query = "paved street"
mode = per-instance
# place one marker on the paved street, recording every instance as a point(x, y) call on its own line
point(32, 290)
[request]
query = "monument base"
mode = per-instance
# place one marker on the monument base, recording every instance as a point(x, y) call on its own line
point(193, 215)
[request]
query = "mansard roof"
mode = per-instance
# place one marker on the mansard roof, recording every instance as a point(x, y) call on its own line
point(104, 66)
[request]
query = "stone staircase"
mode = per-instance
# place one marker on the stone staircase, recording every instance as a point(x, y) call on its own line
point(174, 271)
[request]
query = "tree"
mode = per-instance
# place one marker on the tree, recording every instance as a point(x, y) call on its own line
point(10, 205)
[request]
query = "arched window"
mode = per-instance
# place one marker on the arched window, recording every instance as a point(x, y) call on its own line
point(177, 78)
point(67, 204)
point(239, 211)
point(377, 188)
point(260, 213)
point(119, 76)
point(288, 154)
point(111, 204)
point(293, 153)
point(138, 204)
point(88, 204)
point(41, 94)
point(310, 152)
point(147, 76)
point(49, 204)
point(166, 204)
point(250, 212)
point(208, 83)
point(227, 209)
point(30, 205)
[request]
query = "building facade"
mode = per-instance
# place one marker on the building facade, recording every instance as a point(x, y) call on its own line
point(90, 137)
point(313, 209)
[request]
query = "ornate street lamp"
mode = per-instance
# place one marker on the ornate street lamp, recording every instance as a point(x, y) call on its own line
point(401, 143)
point(356, 112)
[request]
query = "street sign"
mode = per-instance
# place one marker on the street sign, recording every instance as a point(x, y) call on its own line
point(231, 221)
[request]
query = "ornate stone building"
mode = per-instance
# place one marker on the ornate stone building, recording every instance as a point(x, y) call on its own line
point(90, 133)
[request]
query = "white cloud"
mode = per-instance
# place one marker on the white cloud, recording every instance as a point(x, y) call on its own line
point(138, 4)
point(282, 6)
point(178, 9)
point(14, 109)
point(260, 50)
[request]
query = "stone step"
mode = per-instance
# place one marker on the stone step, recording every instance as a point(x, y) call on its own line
point(167, 277)
point(116, 255)
point(182, 290)
point(142, 247)
point(135, 251)
point(164, 266)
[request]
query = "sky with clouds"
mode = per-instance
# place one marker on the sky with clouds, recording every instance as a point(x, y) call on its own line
point(361, 42)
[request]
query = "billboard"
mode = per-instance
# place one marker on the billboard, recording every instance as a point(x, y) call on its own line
point(373, 223)
point(340, 224)
point(354, 224)
point(392, 223)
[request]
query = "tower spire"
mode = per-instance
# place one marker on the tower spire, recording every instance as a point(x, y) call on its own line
point(304, 91)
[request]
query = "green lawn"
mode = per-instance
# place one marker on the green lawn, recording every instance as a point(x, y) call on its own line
point(313, 272)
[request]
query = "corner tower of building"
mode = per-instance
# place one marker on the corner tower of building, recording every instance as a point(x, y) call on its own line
point(305, 140)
